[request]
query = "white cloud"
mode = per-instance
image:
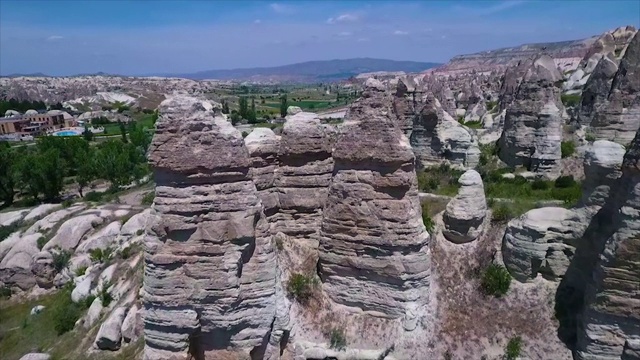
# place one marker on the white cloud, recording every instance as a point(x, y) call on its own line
point(344, 18)
point(55, 38)
point(257, 21)
point(345, 33)
point(281, 8)
point(400, 32)
point(363, 39)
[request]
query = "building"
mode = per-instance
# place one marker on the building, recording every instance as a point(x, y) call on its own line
point(34, 123)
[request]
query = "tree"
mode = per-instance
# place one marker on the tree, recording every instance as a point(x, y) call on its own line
point(7, 174)
point(243, 107)
point(139, 137)
point(86, 171)
point(154, 118)
point(225, 107)
point(87, 134)
point(235, 117)
point(50, 171)
point(283, 105)
point(123, 131)
point(251, 116)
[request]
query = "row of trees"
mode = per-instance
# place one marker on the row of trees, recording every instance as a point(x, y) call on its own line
point(41, 171)
point(21, 105)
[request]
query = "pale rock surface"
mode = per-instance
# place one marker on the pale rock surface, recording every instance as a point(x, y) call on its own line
point(43, 270)
point(209, 263)
point(36, 356)
point(136, 223)
point(15, 267)
point(130, 331)
point(50, 221)
point(72, 231)
point(437, 138)
point(602, 167)
point(82, 287)
point(596, 90)
point(102, 239)
point(292, 110)
point(93, 314)
point(263, 145)
point(373, 244)
point(618, 118)
point(533, 122)
point(465, 213)
point(109, 336)
point(8, 243)
point(11, 217)
point(541, 241)
point(40, 211)
point(37, 310)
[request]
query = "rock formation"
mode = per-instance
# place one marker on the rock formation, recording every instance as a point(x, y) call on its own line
point(438, 138)
point(404, 102)
point(618, 118)
point(533, 123)
point(210, 266)
point(373, 244)
point(465, 213)
point(610, 322)
point(263, 146)
point(601, 169)
point(597, 89)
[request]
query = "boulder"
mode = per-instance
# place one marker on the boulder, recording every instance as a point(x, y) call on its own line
point(43, 270)
point(209, 263)
point(15, 267)
point(72, 231)
point(93, 314)
point(130, 325)
point(82, 288)
point(373, 243)
point(136, 223)
point(102, 239)
point(464, 214)
point(37, 309)
point(12, 217)
point(109, 336)
point(602, 167)
point(292, 110)
point(541, 242)
point(40, 211)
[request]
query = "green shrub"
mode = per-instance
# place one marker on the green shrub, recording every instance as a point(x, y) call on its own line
point(426, 218)
point(100, 255)
point(139, 232)
point(473, 124)
point(570, 99)
point(540, 185)
point(300, 287)
point(5, 231)
point(567, 148)
point(81, 270)
point(104, 295)
point(495, 280)
point(337, 339)
point(503, 213)
point(245, 134)
point(590, 137)
point(5, 292)
point(148, 198)
point(65, 312)
point(67, 203)
point(93, 196)
point(88, 300)
point(61, 259)
point(42, 241)
point(565, 182)
point(513, 349)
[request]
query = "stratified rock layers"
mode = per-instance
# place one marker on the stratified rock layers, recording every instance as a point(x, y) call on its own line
point(610, 323)
point(210, 267)
point(465, 213)
point(373, 244)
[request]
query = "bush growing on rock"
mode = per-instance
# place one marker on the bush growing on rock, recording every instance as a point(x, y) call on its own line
point(570, 99)
point(5, 231)
point(300, 287)
point(61, 259)
point(564, 182)
point(42, 241)
point(93, 196)
point(502, 213)
point(104, 295)
point(99, 255)
point(337, 340)
point(5, 292)
point(81, 270)
point(65, 312)
point(148, 198)
point(567, 148)
point(514, 348)
point(426, 218)
point(540, 185)
point(495, 280)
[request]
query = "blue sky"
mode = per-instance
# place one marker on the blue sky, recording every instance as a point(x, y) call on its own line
point(144, 37)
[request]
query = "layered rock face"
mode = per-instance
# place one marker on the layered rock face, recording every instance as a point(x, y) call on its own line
point(601, 169)
point(618, 118)
point(404, 104)
point(610, 322)
point(465, 213)
point(597, 89)
point(438, 138)
point(303, 176)
point(373, 244)
point(533, 123)
point(263, 145)
point(210, 267)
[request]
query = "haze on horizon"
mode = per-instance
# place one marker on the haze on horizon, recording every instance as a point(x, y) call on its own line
point(143, 37)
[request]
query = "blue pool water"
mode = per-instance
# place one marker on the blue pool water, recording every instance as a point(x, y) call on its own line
point(66, 133)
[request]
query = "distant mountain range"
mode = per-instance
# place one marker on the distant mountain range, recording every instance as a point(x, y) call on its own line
point(311, 71)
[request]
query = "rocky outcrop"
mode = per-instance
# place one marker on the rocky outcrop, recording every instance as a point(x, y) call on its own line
point(36, 356)
point(533, 123)
point(597, 89)
point(465, 213)
point(602, 169)
point(618, 118)
point(373, 244)
point(303, 175)
point(437, 138)
point(210, 266)
point(15, 267)
point(610, 322)
point(109, 335)
point(263, 145)
point(404, 103)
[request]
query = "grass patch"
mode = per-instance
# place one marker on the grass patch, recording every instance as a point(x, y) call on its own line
point(5, 231)
point(300, 287)
point(337, 339)
point(61, 260)
point(567, 148)
point(496, 280)
point(514, 348)
point(426, 218)
point(148, 198)
point(441, 180)
point(570, 99)
point(473, 124)
point(100, 255)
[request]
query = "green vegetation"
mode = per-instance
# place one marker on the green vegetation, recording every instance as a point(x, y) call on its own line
point(42, 241)
point(104, 295)
point(590, 137)
point(337, 339)
point(100, 255)
point(514, 348)
point(496, 280)
point(65, 312)
point(570, 99)
point(441, 180)
point(473, 124)
point(426, 217)
point(81, 270)
point(61, 259)
point(283, 105)
point(567, 148)
point(503, 212)
point(491, 105)
point(22, 106)
point(5, 231)
point(300, 287)
point(148, 198)
point(565, 182)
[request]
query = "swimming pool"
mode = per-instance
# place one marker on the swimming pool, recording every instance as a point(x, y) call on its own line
point(67, 133)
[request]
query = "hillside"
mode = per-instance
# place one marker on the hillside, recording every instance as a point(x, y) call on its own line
point(311, 71)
